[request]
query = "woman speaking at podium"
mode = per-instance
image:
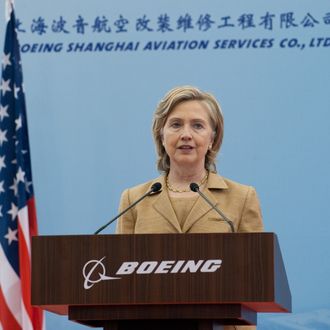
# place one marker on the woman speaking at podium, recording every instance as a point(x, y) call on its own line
point(188, 130)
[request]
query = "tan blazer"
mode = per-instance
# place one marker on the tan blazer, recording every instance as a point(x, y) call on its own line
point(156, 215)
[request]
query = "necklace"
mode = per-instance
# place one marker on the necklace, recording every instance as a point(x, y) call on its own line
point(171, 188)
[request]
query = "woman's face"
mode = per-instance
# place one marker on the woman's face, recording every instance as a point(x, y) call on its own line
point(187, 134)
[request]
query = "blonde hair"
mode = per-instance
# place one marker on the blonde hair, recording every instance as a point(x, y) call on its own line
point(165, 107)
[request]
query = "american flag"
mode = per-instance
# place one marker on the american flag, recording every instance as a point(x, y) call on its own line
point(17, 209)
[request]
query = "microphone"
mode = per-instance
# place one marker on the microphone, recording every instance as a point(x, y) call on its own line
point(195, 187)
point(155, 188)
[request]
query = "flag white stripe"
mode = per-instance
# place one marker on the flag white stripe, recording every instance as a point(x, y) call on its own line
point(43, 322)
point(23, 219)
point(1, 326)
point(8, 9)
point(26, 321)
point(11, 287)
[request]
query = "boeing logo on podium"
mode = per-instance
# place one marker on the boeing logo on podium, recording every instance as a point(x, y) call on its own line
point(94, 270)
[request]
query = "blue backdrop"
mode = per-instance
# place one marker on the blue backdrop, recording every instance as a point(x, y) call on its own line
point(95, 70)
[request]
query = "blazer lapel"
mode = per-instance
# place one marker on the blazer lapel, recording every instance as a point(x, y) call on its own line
point(201, 207)
point(164, 207)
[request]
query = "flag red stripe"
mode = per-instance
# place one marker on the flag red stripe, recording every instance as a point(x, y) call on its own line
point(38, 315)
point(34, 313)
point(7, 320)
point(32, 217)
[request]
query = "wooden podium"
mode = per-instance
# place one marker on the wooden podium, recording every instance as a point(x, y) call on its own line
point(160, 281)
